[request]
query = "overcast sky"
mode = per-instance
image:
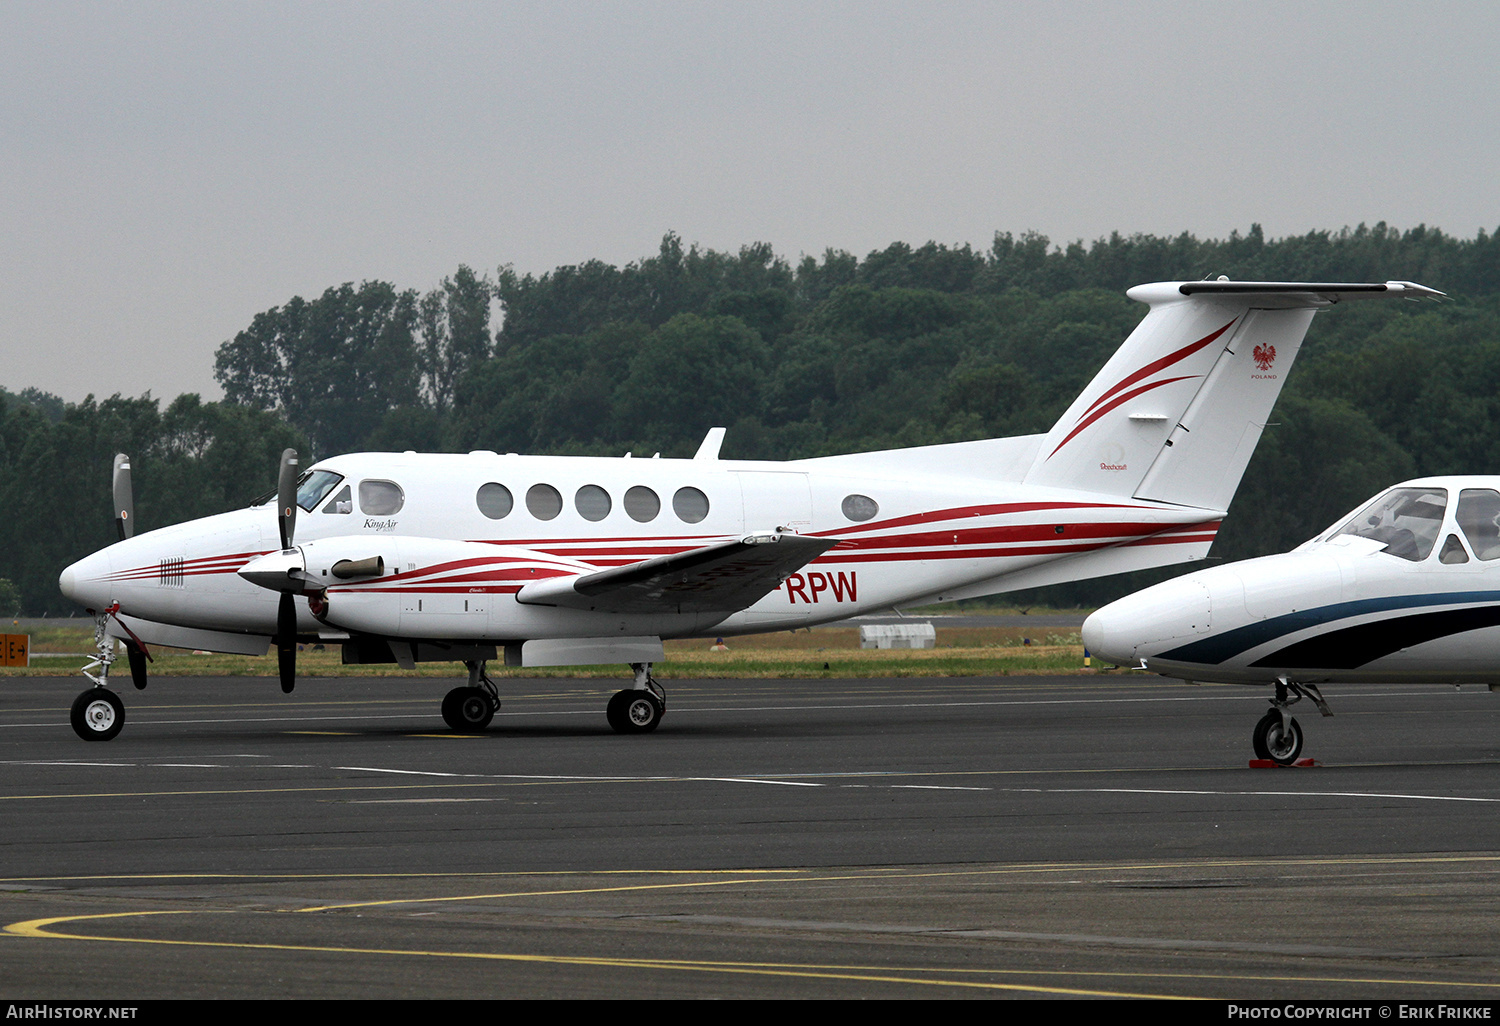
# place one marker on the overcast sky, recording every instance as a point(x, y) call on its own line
point(169, 170)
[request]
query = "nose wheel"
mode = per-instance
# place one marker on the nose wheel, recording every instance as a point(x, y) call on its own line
point(98, 714)
point(1278, 737)
point(1281, 743)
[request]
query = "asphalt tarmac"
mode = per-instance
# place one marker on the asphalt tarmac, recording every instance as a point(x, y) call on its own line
point(978, 837)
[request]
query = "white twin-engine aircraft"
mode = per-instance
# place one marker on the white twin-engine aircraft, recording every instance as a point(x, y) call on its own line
point(1404, 589)
point(551, 561)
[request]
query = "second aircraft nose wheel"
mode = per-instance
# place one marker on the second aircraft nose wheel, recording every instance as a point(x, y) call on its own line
point(1275, 742)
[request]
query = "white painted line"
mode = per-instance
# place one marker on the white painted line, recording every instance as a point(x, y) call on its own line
point(745, 780)
point(20, 762)
point(418, 801)
point(405, 772)
point(1252, 794)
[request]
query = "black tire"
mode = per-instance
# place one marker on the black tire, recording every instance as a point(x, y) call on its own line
point(468, 710)
point(1271, 742)
point(634, 711)
point(98, 714)
point(1258, 735)
point(614, 711)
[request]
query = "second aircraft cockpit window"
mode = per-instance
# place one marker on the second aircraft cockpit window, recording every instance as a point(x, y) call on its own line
point(1406, 520)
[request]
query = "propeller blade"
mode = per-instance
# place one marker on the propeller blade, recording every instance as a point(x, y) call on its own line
point(286, 641)
point(286, 497)
point(124, 499)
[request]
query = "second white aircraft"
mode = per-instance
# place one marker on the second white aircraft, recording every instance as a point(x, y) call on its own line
point(1405, 588)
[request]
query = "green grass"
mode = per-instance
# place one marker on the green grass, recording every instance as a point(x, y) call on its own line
point(819, 652)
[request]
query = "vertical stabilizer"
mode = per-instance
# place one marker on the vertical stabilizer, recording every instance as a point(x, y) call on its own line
point(1175, 414)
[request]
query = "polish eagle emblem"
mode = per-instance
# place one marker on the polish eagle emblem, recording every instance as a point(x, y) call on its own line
point(1264, 356)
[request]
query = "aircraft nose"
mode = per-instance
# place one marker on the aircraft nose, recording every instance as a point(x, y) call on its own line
point(1106, 635)
point(1163, 615)
point(84, 581)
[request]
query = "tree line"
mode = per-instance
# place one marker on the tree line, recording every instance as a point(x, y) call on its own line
point(907, 346)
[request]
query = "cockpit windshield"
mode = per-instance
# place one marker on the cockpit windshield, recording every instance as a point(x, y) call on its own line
point(311, 487)
point(1406, 520)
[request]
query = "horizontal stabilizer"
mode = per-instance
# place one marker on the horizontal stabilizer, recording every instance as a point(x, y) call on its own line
point(1325, 292)
point(723, 577)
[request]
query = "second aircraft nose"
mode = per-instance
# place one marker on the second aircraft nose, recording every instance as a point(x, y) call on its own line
point(1104, 637)
point(1138, 625)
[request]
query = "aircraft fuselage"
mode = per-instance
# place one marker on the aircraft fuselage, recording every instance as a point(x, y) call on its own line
point(1405, 589)
point(453, 570)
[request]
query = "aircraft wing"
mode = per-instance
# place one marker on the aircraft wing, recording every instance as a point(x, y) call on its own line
point(726, 576)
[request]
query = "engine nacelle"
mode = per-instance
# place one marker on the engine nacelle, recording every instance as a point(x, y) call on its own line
point(420, 587)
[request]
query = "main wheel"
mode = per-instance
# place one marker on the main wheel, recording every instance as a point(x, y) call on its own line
point(1277, 744)
point(98, 714)
point(634, 711)
point(468, 710)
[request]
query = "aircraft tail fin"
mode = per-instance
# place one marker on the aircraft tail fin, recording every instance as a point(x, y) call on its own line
point(1176, 413)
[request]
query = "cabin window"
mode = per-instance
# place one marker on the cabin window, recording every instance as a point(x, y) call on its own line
point(343, 502)
point(642, 504)
point(592, 503)
point(1406, 520)
point(494, 501)
point(860, 507)
point(690, 505)
point(380, 498)
point(313, 486)
point(1479, 519)
point(544, 501)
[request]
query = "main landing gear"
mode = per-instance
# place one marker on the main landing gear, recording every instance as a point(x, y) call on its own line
point(639, 709)
point(1278, 737)
point(470, 709)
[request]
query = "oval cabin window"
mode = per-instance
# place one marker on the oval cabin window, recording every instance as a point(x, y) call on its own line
point(690, 505)
point(642, 504)
point(494, 501)
point(592, 503)
point(544, 501)
point(860, 507)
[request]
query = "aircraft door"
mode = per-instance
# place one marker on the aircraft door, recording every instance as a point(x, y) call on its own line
point(772, 499)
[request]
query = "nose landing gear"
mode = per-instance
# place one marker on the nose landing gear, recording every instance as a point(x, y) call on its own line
point(1278, 737)
point(97, 713)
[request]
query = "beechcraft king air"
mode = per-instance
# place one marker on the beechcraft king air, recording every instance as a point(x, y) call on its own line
point(1405, 588)
point(547, 561)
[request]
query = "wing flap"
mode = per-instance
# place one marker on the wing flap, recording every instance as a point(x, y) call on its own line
point(723, 577)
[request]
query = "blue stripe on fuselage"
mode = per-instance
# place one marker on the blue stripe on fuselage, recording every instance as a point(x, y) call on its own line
point(1220, 647)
